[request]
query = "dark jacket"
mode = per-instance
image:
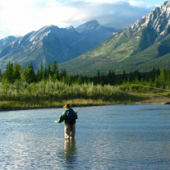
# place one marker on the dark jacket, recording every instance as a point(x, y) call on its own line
point(63, 117)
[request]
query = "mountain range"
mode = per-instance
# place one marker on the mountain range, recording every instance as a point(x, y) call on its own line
point(52, 43)
point(92, 47)
point(141, 46)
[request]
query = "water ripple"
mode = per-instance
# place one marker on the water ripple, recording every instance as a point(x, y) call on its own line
point(127, 137)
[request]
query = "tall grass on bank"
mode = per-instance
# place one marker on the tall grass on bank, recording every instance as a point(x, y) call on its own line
point(47, 92)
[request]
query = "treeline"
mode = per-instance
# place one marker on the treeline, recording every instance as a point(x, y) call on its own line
point(15, 72)
point(154, 78)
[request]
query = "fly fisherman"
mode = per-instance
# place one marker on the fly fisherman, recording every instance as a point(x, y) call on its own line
point(69, 116)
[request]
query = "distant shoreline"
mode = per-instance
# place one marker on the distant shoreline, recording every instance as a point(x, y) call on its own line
point(155, 101)
point(144, 102)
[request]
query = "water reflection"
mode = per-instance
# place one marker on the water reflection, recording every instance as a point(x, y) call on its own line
point(70, 152)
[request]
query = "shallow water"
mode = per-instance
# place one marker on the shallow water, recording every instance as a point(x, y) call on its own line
point(120, 137)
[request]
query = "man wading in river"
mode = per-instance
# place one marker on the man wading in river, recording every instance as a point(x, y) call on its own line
point(69, 116)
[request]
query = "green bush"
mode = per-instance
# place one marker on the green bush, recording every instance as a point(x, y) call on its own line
point(49, 90)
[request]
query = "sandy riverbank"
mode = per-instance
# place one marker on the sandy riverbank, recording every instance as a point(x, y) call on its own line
point(155, 101)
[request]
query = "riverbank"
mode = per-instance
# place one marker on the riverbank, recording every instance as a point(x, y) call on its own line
point(134, 98)
point(15, 105)
point(155, 101)
point(150, 98)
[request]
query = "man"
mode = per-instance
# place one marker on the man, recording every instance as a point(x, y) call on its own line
point(69, 116)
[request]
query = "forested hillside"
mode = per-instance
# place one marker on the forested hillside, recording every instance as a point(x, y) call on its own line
point(22, 87)
point(15, 72)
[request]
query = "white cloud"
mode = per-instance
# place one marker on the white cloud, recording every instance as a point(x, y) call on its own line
point(137, 4)
point(20, 17)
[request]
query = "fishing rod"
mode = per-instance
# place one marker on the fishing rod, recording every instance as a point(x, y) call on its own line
point(79, 109)
point(76, 112)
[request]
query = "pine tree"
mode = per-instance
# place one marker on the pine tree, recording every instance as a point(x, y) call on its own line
point(63, 73)
point(8, 74)
point(168, 78)
point(79, 80)
point(162, 78)
point(156, 82)
point(54, 78)
point(16, 74)
point(150, 82)
point(46, 75)
point(98, 74)
point(111, 77)
point(124, 76)
point(0, 75)
point(69, 81)
point(40, 72)
point(64, 80)
point(49, 70)
point(23, 74)
point(54, 68)
point(30, 74)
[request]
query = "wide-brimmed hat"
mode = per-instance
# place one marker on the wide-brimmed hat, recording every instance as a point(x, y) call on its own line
point(66, 106)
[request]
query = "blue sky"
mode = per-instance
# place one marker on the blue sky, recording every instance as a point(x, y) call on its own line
point(151, 2)
point(20, 17)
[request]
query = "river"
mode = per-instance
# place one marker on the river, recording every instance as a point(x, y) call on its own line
point(120, 137)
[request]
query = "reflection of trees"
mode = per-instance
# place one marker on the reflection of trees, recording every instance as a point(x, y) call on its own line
point(70, 152)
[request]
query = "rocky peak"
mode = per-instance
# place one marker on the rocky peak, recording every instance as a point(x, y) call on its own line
point(70, 28)
point(6, 41)
point(165, 6)
point(158, 21)
point(87, 26)
point(40, 34)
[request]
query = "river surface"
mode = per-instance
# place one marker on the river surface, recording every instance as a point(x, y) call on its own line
point(118, 137)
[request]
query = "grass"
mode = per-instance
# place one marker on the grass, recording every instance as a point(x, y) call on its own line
point(55, 94)
point(44, 94)
point(15, 105)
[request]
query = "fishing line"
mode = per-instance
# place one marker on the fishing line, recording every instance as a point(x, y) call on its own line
point(54, 133)
point(77, 112)
point(79, 109)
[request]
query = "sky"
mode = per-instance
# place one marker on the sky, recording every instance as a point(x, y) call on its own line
point(19, 17)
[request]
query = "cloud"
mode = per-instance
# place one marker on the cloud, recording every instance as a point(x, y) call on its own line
point(20, 17)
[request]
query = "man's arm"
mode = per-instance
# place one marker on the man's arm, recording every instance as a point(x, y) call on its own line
point(61, 119)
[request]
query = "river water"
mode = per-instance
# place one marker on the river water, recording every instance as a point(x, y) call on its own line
point(118, 137)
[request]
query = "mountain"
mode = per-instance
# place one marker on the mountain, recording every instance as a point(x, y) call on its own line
point(141, 46)
point(52, 43)
point(6, 41)
point(95, 32)
point(93, 26)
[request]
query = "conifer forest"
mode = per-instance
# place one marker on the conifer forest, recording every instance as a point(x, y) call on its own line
point(49, 86)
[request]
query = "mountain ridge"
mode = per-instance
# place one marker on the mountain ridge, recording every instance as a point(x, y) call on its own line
point(120, 52)
point(7, 40)
point(51, 43)
point(92, 47)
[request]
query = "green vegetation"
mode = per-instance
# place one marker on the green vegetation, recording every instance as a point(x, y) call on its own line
point(141, 50)
point(21, 87)
point(48, 93)
point(146, 39)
